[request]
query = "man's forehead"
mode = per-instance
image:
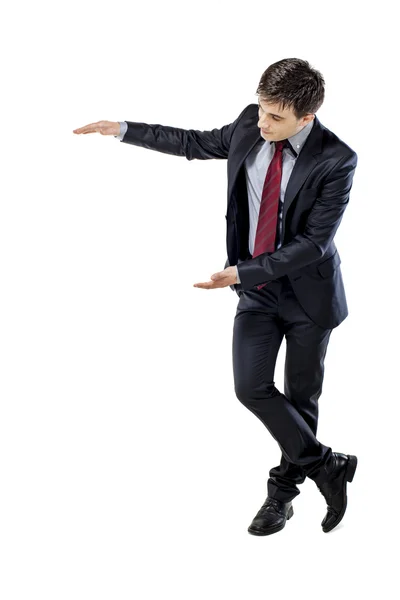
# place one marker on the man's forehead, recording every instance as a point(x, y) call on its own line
point(275, 108)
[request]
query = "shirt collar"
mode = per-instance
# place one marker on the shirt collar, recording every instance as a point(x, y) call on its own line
point(297, 141)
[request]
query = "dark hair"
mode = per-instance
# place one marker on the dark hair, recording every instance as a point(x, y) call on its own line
point(292, 82)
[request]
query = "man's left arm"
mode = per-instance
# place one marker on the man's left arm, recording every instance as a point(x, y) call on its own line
point(305, 248)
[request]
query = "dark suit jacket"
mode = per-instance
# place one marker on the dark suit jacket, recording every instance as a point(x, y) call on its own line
point(316, 197)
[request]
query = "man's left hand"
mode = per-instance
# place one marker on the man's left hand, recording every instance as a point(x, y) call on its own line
point(220, 280)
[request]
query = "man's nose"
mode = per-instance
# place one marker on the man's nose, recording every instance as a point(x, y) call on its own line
point(262, 123)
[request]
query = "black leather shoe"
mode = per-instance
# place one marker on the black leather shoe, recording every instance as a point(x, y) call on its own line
point(271, 517)
point(334, 489)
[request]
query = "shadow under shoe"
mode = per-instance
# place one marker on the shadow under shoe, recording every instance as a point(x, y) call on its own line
point(334, 489)
point(271, 517)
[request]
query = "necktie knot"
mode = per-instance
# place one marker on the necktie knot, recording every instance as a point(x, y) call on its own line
point(279, 146)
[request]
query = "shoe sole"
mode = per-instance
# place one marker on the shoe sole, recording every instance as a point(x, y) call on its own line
point(272, 529)
point(349, 476)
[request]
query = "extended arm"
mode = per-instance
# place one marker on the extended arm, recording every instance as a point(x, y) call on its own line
point(190, 143)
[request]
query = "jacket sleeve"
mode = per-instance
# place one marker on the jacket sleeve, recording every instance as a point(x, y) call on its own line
point(321, 226)
point(190, 143)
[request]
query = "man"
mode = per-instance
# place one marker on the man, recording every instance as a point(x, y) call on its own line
point(289, 181)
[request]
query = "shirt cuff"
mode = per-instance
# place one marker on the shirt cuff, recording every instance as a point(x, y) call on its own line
point(237, 275)
point(124, 128)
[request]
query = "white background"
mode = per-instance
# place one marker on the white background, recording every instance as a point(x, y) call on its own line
point(128, 467)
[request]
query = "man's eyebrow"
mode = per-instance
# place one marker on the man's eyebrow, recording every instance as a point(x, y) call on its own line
point(271, 113)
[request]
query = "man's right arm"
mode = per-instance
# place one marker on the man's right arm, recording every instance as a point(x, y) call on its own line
point(191, 143)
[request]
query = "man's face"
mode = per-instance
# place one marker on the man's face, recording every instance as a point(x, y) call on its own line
point(279, 124)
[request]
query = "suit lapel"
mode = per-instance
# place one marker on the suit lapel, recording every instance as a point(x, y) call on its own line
point(305, 163)
point(250, 137)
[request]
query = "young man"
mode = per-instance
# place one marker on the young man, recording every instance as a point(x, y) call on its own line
point(289, 181)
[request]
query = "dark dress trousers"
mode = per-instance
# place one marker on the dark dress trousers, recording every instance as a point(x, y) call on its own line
point(304, 299)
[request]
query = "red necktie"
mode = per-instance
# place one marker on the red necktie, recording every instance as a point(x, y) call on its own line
point(268, 215)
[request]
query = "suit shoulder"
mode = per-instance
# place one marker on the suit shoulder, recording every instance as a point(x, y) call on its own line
point(249, 110)
point(341, 148)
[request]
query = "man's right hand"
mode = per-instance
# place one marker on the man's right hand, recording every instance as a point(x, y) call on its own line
point(103, 127)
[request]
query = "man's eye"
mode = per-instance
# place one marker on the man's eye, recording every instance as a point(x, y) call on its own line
point(274, 118)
